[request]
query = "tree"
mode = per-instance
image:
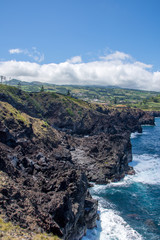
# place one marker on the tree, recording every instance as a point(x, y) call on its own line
point(115, 100)
point(144, 101)
point(68, 93)
point(42, 89)
point(19, 85)
point(155, 100)
point(2, 77)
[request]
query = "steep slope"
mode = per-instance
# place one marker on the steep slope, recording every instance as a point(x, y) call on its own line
point(72, 115)
point(44, 190)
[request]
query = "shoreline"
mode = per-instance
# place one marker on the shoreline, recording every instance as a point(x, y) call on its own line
point(100, 229)
point(48, 166)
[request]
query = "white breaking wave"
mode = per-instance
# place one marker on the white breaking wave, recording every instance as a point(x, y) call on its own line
point(135, 134)
point(147, 169)
point(111, 227)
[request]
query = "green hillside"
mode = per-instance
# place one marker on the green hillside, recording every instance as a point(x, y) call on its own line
point(42, 104)
point(110, 96)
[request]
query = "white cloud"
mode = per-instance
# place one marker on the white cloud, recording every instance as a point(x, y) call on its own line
point(76, 59)
point(143, 65)
point(15, 50)
point(33, 53)
point(116, 56)
point(116, 69)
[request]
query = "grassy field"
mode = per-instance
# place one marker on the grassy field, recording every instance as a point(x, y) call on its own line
point(149, 104)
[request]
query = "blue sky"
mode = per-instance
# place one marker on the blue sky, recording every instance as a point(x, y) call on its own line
point(74, 37)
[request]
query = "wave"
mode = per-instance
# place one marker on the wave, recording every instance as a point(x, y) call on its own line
point(139, 191)
point(135, 135)
point(111, 227)
point(147, 169)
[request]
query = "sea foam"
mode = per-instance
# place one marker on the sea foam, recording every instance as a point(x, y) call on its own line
point(111, 227)
point(147, 169)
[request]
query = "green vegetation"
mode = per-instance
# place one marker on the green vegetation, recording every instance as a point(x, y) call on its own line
point(18, 97)
point(8, 113)
point(110, 96)
point(38, 104)
point(41, 129)
point(149, 104)
point(42, 89)
point(74, 99)
point(70, 112)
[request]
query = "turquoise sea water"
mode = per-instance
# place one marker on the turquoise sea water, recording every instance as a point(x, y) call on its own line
point(130, 209)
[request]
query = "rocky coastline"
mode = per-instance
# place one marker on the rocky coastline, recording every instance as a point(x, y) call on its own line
point(104, 156)
point(43, 190)
point(48, 165)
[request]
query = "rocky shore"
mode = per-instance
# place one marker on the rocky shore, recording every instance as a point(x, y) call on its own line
point(104, 156)
point(48, 164)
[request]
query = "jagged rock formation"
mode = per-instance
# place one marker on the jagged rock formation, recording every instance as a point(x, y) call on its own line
point(45, 191)
point(105, 155)
point(104, 158)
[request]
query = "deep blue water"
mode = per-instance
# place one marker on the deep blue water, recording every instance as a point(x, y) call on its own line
point(130, 209)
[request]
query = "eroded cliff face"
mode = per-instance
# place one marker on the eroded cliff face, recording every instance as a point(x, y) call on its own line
point(48, 169)
point(104, 158)
point(44, 190)
point(105, 153)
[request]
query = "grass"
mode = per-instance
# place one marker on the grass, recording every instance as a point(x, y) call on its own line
point(8, 113)
point(69, 111)
point(98, 94)
point(20, 98)
point(8, 231)
point(149, 104)
point(41, 129)
point(39, 104)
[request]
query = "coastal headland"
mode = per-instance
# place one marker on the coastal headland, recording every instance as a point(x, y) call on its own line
point(51, 147)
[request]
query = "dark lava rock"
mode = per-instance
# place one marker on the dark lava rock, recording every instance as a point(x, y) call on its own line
point(45, 191)
point(48, 170)
point(104, 158)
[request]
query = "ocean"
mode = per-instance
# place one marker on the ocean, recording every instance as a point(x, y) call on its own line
point(130, 209)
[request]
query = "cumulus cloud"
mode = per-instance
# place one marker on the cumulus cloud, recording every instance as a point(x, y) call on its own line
point(116, 69)
point(33, 53)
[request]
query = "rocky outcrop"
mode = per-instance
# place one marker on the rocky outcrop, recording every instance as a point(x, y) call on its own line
point(45, 191)
point(154, 113)
point(93, 122)
point(105, 156)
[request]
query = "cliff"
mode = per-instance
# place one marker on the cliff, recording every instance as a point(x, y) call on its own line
point(44, 191)
point(50, 146)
